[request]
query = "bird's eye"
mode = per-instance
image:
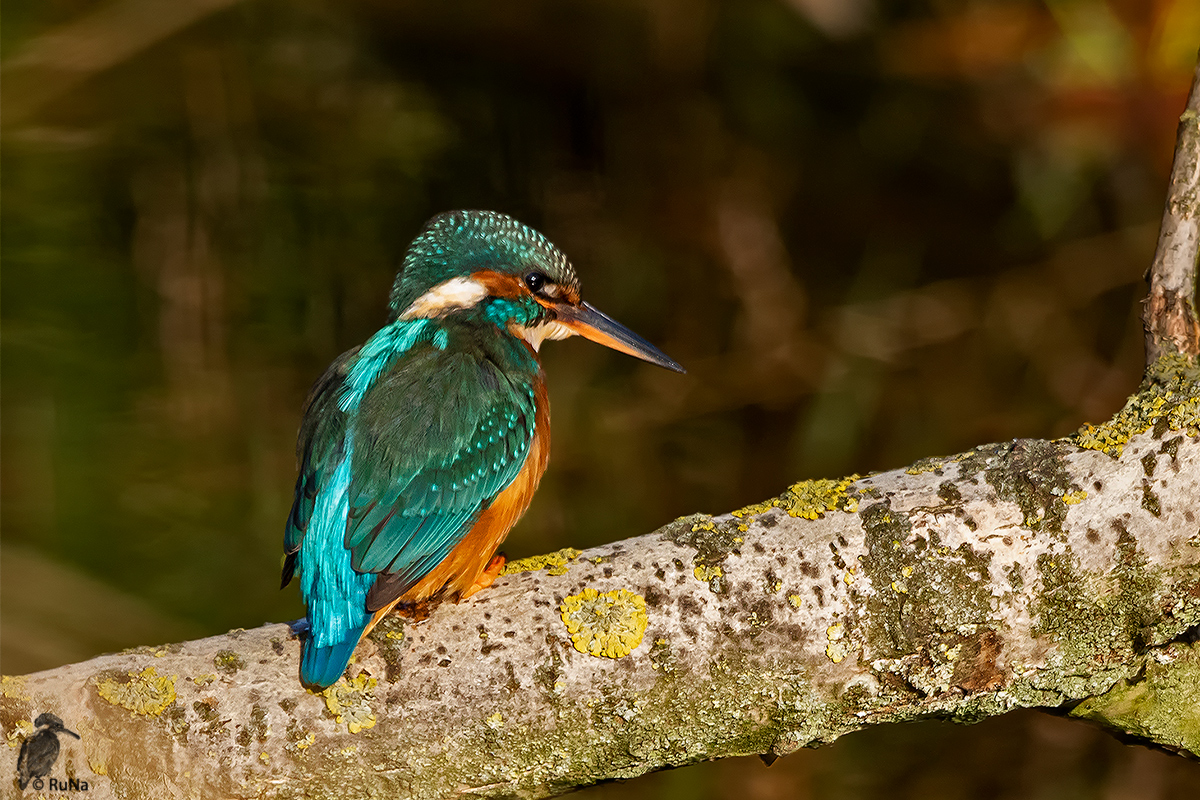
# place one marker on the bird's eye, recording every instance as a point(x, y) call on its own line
point(535, 281)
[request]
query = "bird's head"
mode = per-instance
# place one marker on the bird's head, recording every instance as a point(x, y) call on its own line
point(52, 722)
point(489, 267)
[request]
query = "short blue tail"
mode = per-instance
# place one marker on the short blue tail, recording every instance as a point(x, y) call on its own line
point(320, 667)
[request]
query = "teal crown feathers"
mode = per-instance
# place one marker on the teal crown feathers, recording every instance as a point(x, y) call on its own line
point(461, 242)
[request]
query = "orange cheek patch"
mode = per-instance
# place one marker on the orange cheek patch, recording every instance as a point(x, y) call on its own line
point(499, 285)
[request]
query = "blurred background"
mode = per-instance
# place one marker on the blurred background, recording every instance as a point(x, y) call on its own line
point(872, 231)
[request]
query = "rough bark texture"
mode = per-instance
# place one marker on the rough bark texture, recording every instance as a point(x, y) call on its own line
point(1025, 574)
point(1170, 313)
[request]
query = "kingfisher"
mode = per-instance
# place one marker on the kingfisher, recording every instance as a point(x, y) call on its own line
point(421, 448)
point(40, 751)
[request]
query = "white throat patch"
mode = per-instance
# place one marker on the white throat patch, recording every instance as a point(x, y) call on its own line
point(539, 333)
point(450, 295)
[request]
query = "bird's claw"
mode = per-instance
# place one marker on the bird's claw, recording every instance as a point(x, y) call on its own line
point(299, 627)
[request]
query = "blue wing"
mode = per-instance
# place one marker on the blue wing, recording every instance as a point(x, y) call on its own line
point(393, 482)
point(447, 433)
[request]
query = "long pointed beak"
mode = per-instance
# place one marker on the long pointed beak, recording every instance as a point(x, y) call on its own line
point(589, 323)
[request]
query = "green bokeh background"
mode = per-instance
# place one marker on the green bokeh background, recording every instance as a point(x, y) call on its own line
point(872, 231)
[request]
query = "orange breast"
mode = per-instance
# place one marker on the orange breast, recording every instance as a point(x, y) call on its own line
point(458, 571)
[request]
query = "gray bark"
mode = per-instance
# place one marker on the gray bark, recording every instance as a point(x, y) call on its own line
point(1170, 313)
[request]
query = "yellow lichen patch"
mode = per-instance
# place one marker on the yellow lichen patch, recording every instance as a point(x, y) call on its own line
point(554, 563)
point(706, 525)
point(308, 741)
point(204, 680)
point(1171, 400)
point(952, 653)
point(795, 600)
point(13, 686)
point(836, 649)
point(1186, 415)
point(1108, 438)
point(1071, 498)
point(495, 721)
point(22, 730)
point(609, 624)
point(96, 765)
point(349, 702)
point(704, 573)
point(264, 758)
point(146, 692)
point(751, 510)
point(809, 499)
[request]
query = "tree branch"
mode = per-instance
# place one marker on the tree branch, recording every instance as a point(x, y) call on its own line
point(1026, 574)
point(1170, 312)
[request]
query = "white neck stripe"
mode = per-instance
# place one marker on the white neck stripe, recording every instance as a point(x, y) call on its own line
point(450, 295)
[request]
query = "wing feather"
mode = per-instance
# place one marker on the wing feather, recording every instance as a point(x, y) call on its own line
point(448, 432)
point(319, 449)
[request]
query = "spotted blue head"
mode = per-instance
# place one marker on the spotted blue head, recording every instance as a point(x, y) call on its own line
point(490, 268)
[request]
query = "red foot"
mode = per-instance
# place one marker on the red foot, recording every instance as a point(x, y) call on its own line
point(487, 577)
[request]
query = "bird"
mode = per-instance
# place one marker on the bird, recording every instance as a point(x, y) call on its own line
point(421, 448)
point(40, 751)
